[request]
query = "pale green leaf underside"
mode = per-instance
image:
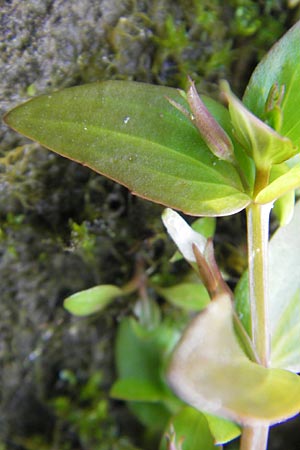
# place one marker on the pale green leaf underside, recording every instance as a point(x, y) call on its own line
point(130, 133)
point(281, 65)
point(211, 373)
point(284, 307)
point(286, 336)
point(91, 300)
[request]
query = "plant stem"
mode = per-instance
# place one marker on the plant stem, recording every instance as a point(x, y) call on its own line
point(258, 237)
point(261, 180)
point(255, 438)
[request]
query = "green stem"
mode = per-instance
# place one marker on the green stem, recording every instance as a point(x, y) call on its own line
point(255, 438)
point(258, 237)
point(261, 180)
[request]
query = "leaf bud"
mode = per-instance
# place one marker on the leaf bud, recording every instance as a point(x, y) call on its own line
point(261, 142)
point(212, 133)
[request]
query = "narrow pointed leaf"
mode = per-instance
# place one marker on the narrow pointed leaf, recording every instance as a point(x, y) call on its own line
point(281, 65)
point(91, 300)
point(210, 371)
point(130, 133)
point(213, 134)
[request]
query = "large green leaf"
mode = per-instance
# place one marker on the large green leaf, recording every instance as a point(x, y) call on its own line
point(281, 65)
point(130, 132)
point(210, 371)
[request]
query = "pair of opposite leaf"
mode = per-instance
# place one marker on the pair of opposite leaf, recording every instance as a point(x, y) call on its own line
point(210, 371)
point(261, 142)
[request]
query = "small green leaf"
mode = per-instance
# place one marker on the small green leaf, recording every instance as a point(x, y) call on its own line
point(150, 347)
point(281, 65)
point(222, 430)
point(154, 416)
point(91, 300)
point(280, 186)
point(284, 206)
point(135, 389)
point(205, 226)
point(142, 354)
point(138, 355)
point(191, 428)
point(210, 372)
point(130, 133)
point(188, 296)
